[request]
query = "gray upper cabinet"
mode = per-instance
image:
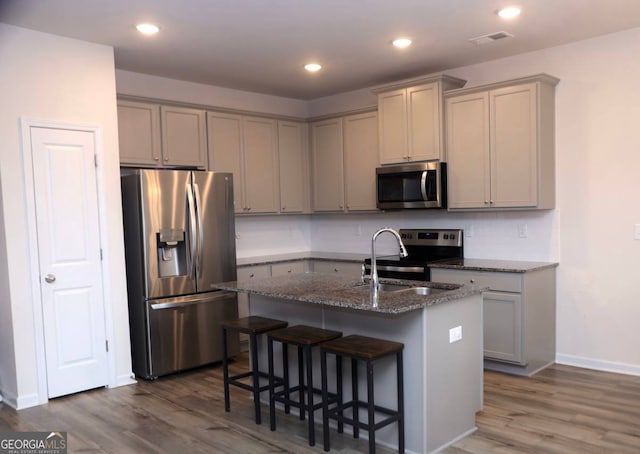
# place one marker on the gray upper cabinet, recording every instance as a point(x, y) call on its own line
point(500, 145)
point(410, 119)
point(247, 147)
point(139, 133)
point(151, 135)
point(345, 157)
point(184, 141)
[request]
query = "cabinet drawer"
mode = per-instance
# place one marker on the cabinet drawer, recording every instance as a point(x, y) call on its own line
point(287, 268)
point(343, 268)
point(253, 272)
point(505, 282)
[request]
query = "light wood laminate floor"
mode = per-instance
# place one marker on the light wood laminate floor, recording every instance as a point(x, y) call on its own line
point(560, 410)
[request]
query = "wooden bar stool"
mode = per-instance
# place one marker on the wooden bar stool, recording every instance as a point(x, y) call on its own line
point(369, 350)
point(252, 326)
point(304, 338)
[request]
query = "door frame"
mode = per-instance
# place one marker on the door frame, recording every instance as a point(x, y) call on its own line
point(34, 262)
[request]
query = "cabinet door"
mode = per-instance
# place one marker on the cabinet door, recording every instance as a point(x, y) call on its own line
point(503, 326)
point(287, 268)
point(183, 137)
point(294, 166)
point(360, 160)
point(392, 117)
point(139, 133)
point(514, 146)
point(224, 136)
point(468, 150)
point(328, 171)
point(424, 125)
point(260, 165)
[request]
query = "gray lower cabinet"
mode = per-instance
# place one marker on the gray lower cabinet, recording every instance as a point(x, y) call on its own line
point(519, 316)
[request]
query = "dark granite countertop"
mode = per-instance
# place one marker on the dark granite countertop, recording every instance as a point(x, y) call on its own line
point(348, 293)
point(504, 266)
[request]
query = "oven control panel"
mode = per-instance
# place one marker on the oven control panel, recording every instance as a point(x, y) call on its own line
point(443, 237)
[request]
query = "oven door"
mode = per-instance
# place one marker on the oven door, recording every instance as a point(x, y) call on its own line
point(397, 271)
point(419, 185)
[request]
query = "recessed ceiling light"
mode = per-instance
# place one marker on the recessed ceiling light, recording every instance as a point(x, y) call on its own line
point(401, 42)
point(509, 12)
point(148, 29)
point(312, 67)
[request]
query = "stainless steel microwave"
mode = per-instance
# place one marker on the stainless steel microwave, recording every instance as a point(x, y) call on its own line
point(410, 186)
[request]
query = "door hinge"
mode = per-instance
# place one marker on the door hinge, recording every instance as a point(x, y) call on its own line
point(101, 256)
point(95, 160)
point(106, 342)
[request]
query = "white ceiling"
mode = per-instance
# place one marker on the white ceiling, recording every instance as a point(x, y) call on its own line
point(261, 45)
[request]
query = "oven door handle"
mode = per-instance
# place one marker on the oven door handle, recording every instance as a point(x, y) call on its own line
point(401, 269)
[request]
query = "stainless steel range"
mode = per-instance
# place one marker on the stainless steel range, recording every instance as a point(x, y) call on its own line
point(424, 246)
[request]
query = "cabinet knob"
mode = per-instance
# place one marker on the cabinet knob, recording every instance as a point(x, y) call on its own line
point(156, 158)
point(486, 202)
point(336, 270)
point(166, 159)
point(252, 275)
point(473, 281)
point(283, 208)
point(491, 202)
point(288, 271)
point(340, 206)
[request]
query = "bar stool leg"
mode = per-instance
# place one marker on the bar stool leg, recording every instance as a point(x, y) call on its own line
point(371, 409)
point(285, 375)
point(339, 392)
point(312, 429)
point(272, 402)
point(301, 382)
point(400, 403)
point(255, 377)
point(225, 370)
point(325, 398)
point(354, 392)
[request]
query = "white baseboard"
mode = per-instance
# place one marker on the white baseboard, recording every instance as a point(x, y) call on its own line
point(124, 380)
point(597, 364)
point(27, 401)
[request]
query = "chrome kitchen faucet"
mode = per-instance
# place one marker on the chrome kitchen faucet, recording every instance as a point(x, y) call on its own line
point(375, 286)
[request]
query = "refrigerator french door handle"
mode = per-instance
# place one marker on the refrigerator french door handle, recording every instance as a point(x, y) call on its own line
point(193, 242)
point(200, 257)
point(423, 185)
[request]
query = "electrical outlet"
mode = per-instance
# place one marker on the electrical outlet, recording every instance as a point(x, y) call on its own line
point(455, 334)
point(522, 230)
point(358, 230)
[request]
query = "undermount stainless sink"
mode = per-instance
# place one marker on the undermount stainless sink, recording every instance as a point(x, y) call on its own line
point(401, 288)
point(422, 290)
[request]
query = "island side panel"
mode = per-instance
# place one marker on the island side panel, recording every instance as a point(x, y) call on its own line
point(407, 329)
point(454, 371)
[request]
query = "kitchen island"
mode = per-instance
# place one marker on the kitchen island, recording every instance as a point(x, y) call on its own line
point(442, 376)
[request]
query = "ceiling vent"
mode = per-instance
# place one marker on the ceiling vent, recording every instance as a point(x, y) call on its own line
point(491, 37)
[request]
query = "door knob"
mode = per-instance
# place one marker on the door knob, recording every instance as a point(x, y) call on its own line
point(50, 278)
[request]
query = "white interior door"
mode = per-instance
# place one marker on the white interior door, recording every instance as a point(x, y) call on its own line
point(68, 232)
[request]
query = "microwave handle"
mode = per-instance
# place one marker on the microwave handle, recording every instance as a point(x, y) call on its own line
point(423, 185)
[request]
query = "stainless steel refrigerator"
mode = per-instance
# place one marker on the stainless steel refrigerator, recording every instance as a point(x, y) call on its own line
point(179, 240)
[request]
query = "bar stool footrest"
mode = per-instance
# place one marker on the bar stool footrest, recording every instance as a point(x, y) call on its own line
point(235, 381)
point(334, 413)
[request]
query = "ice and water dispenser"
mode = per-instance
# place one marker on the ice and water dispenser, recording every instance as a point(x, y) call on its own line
point(172, 253)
